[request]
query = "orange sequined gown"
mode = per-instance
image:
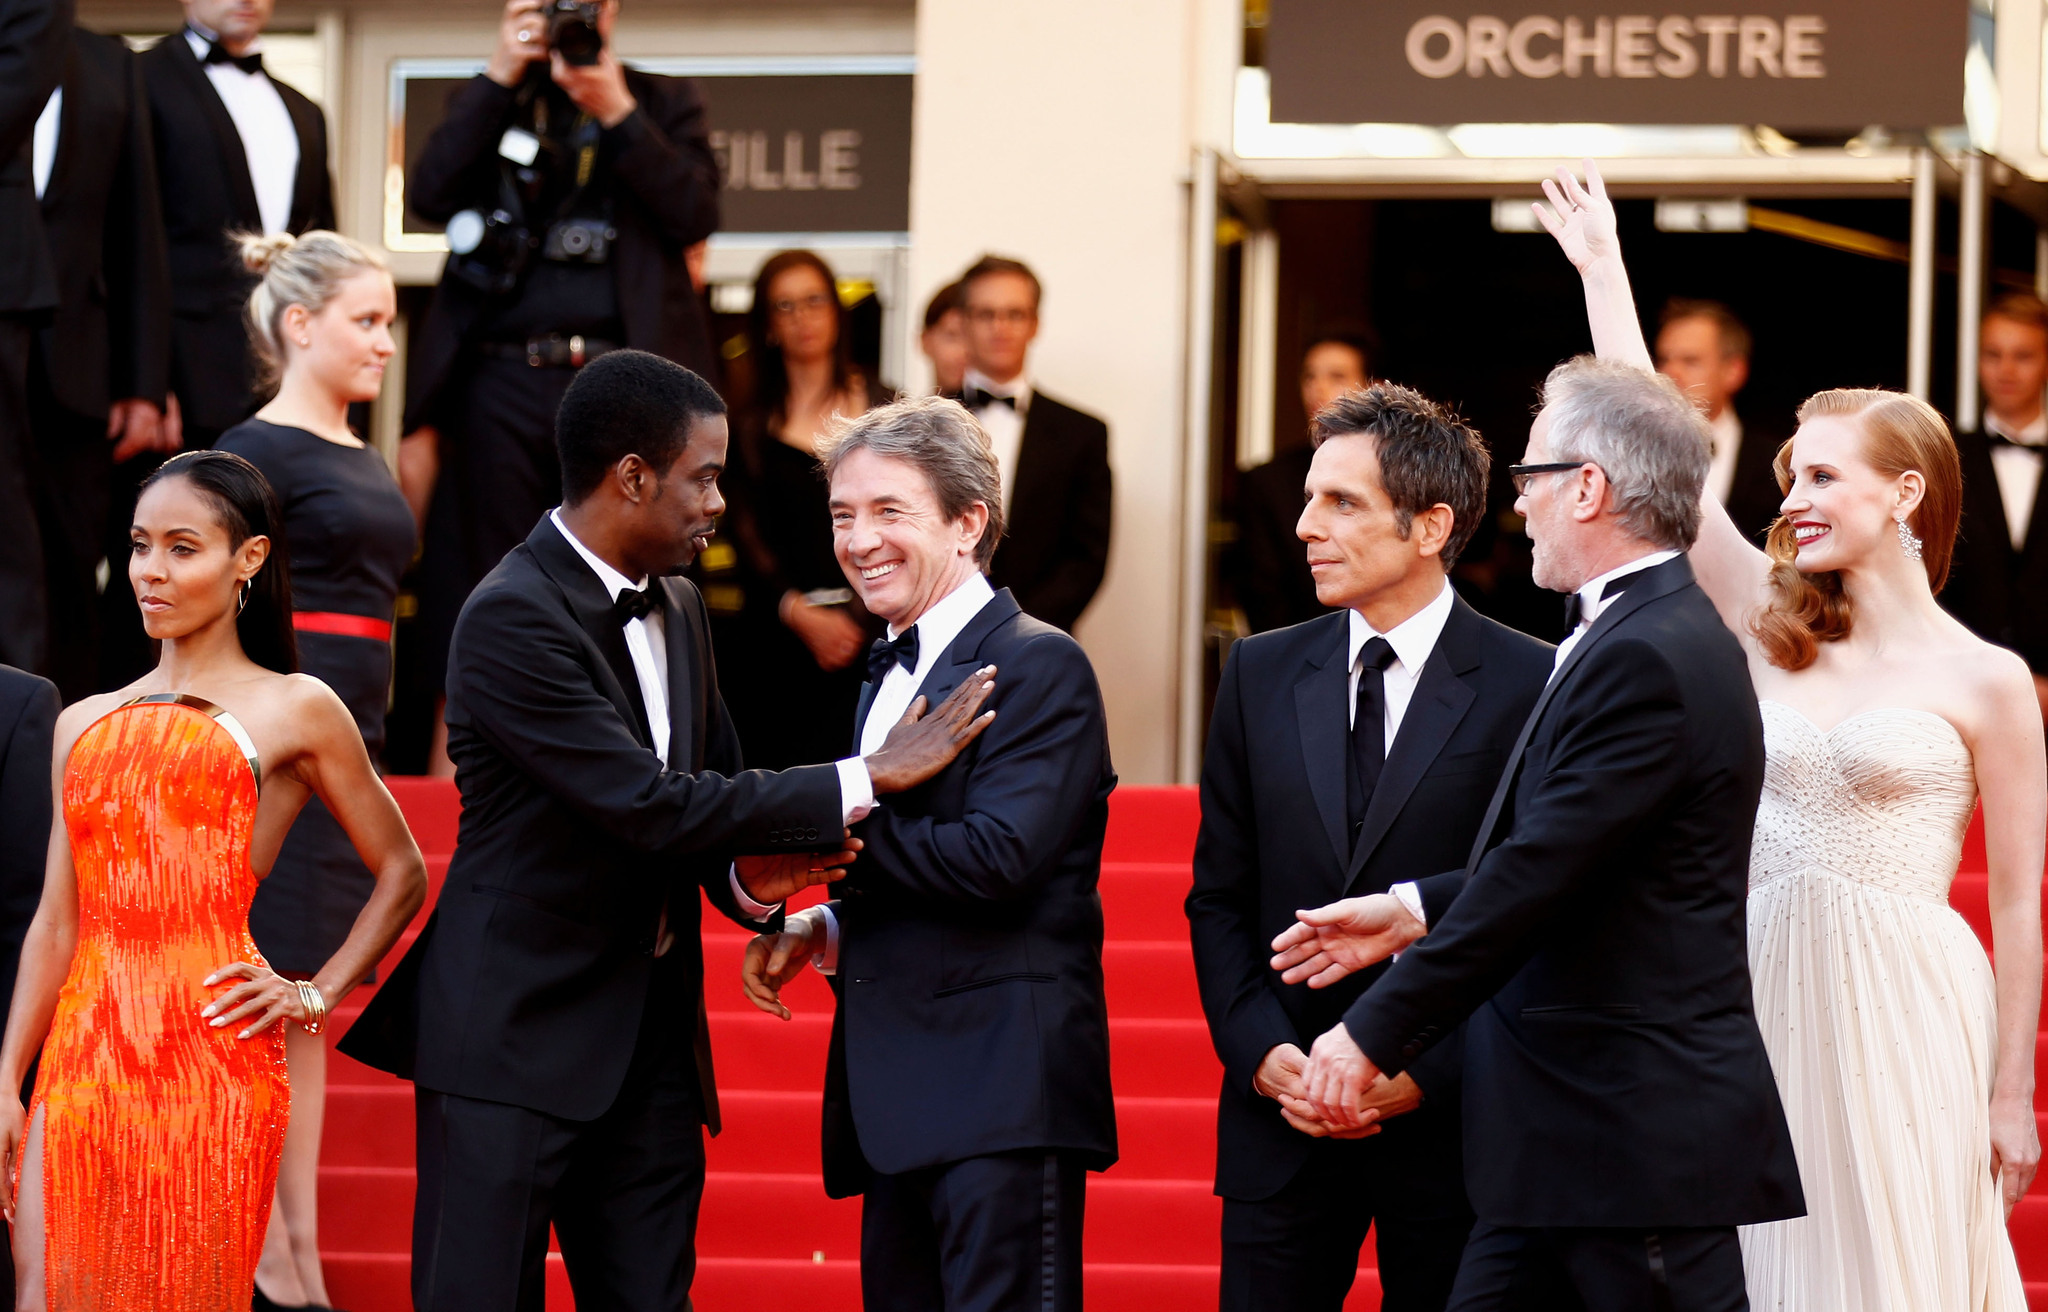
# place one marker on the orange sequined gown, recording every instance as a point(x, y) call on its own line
point(161, 1134)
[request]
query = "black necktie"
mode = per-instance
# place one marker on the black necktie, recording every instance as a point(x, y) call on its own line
point(633, 604)
point(974, 398)
point(216, 53)
point(1368, 729)
point(885, 653)
point(1575, 604)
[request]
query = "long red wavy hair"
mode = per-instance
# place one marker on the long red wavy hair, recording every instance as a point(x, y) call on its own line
point(1901, 433)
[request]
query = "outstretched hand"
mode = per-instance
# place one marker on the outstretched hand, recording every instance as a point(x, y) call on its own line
point(1331, 942)
point(921, 745)
point(772, 879)
point(1580, 217)
point(771, 961)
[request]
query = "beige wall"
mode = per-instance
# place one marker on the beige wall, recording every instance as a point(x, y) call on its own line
point(1056, 132)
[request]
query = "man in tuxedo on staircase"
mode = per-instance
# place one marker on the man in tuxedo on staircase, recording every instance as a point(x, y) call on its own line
point(1621, 1119)
point(967, 1090)
point(1054, 458)
point(551, 1014)
point(1345, 753)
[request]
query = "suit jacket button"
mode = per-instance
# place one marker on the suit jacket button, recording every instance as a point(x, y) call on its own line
point(810, 835)
point(1411, 1050)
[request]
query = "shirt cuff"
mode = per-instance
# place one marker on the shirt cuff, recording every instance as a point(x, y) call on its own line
point(755, 910)
point(827, 962)
point(856, 789)
point(1410, 897)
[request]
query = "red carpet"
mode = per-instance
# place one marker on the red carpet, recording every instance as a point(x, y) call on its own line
point(1152, 1221)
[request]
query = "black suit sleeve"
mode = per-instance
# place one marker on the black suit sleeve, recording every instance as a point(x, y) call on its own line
point(1028, 787)
point(320, 213)
point(1618, 758)
point(1232, 958)
point(458, 165)
point(25, 809)
point(33, 34)
point(664, 158)
point(137, 265)
point(1082, 553)
point(517, 674)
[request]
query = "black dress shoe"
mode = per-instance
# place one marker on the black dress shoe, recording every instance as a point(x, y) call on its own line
point(262, 1302)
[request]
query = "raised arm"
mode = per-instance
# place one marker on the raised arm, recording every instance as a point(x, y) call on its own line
point(1581, 218)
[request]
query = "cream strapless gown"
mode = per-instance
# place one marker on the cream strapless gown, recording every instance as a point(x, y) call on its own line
point(1876, 1004)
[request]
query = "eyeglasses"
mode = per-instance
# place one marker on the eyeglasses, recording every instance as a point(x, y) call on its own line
point(1014, 318)
point(815, 303)
point(1519, 475)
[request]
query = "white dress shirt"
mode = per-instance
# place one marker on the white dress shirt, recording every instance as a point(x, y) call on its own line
point(45, 148)
point(2018, 471)
point(936, 629)
point(1004, 426)
point(1413, 639)
point(1727, 430)
point(269, 140)
point(647, 644)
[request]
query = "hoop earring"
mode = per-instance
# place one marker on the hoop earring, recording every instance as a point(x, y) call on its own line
point(243, 604)
point(1909, 542)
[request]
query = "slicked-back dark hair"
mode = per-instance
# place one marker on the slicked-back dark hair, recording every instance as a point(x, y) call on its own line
point(627, 403)
point(247, 508)
point(1428, 455)
point(989, 265)
point(1359, 341)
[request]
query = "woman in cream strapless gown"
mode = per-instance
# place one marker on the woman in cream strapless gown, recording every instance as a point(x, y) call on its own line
point(1905, 1068)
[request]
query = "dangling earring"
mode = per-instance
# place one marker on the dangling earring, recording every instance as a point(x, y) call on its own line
point(243, 604)
point(1909, 542)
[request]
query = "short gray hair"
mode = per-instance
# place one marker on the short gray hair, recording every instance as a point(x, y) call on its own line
point(942, 440)
point(1651, 442)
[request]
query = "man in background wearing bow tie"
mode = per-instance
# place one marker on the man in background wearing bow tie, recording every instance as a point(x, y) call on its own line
point(1054, 459)
point(967, 1089)
point(551, 1014)
point(1998, 584)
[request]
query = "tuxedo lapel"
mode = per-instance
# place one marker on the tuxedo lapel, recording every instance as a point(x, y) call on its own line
point(1439, 705)
point(70, 124)
point(860, 713)
point(963, 654)
point(234, 158)
point(1657, 581)
point(592, 607)
point(685, 678)
point(1324, 722)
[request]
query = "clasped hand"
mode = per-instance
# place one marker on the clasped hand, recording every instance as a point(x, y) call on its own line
point(773, 960)
point(1286, 1077)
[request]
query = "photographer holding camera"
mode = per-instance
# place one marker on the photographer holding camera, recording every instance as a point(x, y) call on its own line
point(570, 186)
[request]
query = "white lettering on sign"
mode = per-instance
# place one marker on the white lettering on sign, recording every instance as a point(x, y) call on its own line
point(747, 161)
point(1627, 45)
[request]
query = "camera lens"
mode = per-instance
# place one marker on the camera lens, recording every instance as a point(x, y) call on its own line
point(575, 240)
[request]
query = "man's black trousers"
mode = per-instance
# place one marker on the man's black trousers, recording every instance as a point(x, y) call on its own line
point(622, 1193)
point(1298, 1250)
point(988, 1234)
point(1564, 1269)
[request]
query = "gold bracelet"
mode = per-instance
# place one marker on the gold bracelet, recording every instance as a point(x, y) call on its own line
point(315, 1004)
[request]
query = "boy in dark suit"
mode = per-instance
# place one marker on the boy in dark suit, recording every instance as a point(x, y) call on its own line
point(1344, 753)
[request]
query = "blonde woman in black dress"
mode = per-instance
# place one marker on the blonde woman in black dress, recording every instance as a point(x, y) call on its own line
point(320, 324)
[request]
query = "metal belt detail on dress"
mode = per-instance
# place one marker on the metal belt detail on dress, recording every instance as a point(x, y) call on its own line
point(340, 625)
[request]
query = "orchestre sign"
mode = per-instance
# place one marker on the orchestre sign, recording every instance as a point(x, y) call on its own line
point(1829, 64)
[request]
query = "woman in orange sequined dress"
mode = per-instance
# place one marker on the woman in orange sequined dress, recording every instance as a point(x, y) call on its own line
point(141, 1176)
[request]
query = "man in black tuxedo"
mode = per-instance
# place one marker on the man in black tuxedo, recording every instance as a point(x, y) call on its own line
point(1705, 349)
point(557, 146)
point(1998, 582)
point(1274, 587)
point(1620, 1115)
point(967, 1091)
point(1054, 458)
point(98, 376)
point(551, 1015)
point(33, 34)
point(1343, 754)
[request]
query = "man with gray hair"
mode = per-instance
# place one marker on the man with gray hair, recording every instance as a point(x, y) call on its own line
point(1620, 1115)
point(967, 1090)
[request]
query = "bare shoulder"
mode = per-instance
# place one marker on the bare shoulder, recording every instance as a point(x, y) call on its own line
point(1996, 677)
point(310, 703)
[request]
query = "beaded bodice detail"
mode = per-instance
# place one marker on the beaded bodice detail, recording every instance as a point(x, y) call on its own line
point(1883, 798)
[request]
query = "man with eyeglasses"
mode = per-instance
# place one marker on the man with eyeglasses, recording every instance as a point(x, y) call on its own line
point(1054, 457)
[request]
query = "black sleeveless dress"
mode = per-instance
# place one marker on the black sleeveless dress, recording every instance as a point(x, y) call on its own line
point(350, 535)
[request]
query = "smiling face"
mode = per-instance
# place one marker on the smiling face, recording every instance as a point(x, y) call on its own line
point(185, 572)
point(1843, 509)
point(898, 549)
point(1356, 550)
point(348, 343)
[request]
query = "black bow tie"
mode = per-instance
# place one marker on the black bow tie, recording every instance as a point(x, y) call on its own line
point(975, 398)
point(1575, 604)
point(1996, 438)
point(216, 53)
point(903, 651)
point(634, 604)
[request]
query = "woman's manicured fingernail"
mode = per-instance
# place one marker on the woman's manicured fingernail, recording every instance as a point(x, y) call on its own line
point(206, 1010)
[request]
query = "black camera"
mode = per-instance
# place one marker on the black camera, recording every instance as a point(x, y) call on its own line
point(488, 251)
point(572, 30)
point(579, 241)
